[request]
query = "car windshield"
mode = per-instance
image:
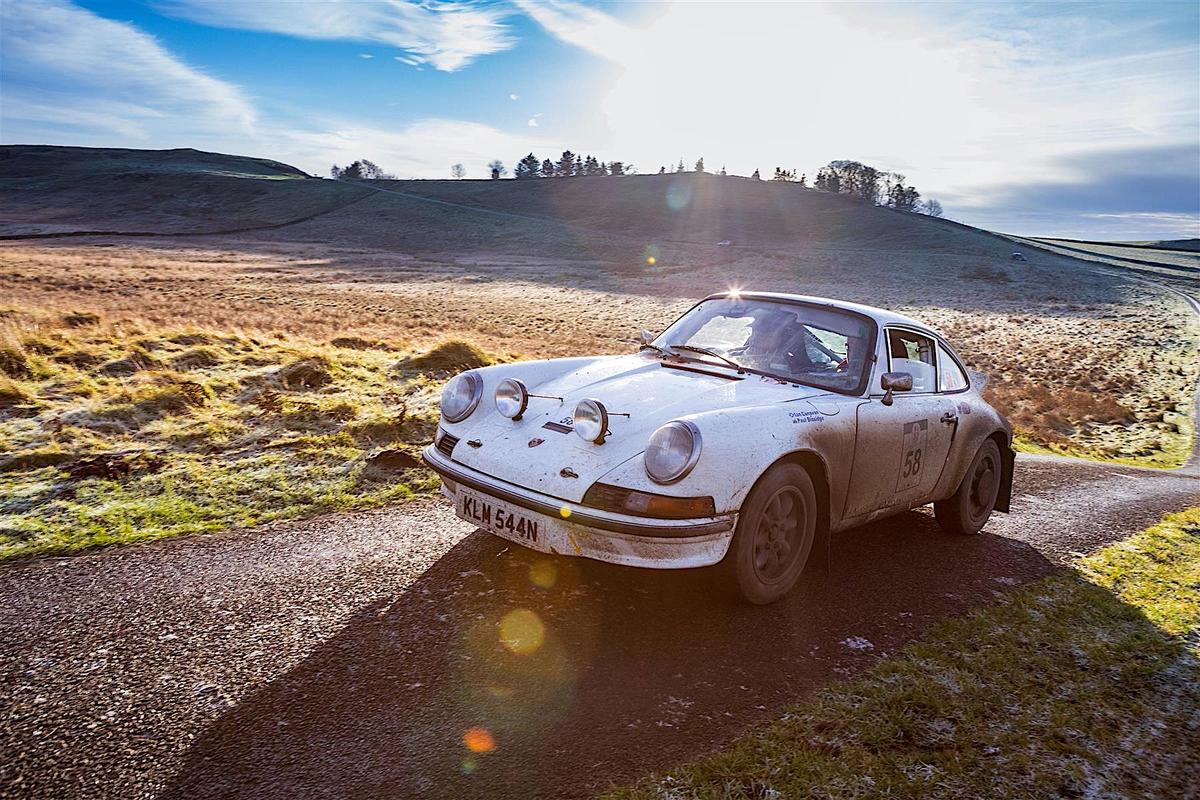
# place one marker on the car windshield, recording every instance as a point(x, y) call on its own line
point(817, 346)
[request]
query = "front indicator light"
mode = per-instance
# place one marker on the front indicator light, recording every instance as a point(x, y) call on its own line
point(647, 504)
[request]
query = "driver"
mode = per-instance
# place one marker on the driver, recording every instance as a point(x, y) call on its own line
point(768, 335)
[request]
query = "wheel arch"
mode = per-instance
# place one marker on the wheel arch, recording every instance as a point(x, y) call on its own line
point(1007, 464)
point(818, 471)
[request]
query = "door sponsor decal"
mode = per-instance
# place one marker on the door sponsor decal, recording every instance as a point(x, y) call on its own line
point(912, 452)
point(805, 417)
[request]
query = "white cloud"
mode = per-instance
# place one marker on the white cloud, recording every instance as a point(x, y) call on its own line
point(533, 121)
point(514, 97)
point(67, 69)
point(446, 35)
point(365, 55)
point(961, 103)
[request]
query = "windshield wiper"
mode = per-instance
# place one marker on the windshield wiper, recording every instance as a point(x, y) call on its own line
point(648, 346)
point(705, 351)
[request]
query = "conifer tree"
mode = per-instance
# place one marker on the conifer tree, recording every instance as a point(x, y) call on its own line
point(528, 167)
point(566, 164)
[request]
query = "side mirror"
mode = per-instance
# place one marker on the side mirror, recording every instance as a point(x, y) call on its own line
point(646, 337)
point(894, 382)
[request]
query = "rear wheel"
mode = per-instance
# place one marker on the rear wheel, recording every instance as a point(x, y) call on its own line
point(774, 536)
point(967, 511)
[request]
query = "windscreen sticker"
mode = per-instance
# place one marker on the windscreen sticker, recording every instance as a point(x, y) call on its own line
point(912, 452)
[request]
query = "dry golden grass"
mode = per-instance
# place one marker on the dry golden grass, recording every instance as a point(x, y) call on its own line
point(1079, 362)
point(121, 431)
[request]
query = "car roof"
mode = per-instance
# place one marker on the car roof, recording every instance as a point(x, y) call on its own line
point(881, 316)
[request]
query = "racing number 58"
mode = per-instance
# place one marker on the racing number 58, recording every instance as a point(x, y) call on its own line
point(912, 462)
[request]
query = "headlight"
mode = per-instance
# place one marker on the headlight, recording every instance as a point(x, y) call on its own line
point(512, 398)
point(672, 451)
point(460, 396)
point(591, 420)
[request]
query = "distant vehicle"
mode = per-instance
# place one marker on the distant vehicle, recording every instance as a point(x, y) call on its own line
point(750, 429)
point(725, 243)
point(1018, 257)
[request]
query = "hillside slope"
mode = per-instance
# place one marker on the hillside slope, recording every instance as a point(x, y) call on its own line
point(59, 190)
point(54, 190)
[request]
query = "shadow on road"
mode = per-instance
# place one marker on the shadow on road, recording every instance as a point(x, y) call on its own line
point(501, 673)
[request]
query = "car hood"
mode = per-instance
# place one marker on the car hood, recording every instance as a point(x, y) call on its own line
point(541, 451)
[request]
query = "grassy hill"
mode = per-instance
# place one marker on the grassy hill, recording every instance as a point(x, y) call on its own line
point(66, 190)
point(55, 190)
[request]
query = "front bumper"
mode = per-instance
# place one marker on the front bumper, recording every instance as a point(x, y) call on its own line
point(572, 529)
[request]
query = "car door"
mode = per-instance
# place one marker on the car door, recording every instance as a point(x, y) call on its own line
point(900, 450)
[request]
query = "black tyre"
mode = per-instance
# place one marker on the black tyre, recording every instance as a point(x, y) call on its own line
point(967, 510)
point(774, 536)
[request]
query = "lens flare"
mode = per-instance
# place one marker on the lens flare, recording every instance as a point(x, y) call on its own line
point(543, 573)
point(564, 512)
point(735, 293)
point(679, 196)
point(478, 740)
point(651, 260)
point(522, 632)
point(468, 766)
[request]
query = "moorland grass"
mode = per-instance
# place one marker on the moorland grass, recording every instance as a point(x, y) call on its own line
point(1084, 684)
point(120, 433)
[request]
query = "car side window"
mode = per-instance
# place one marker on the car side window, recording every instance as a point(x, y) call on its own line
point(950, 376)
point(913, 353)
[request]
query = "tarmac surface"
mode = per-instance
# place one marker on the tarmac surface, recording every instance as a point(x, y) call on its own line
point(362, 655)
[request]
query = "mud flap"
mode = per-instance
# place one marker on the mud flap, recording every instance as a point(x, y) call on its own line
point(1007, 461)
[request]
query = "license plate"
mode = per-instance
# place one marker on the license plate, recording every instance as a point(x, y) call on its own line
point(503, 519)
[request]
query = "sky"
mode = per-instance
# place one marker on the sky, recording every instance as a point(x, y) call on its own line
point(1068, 119)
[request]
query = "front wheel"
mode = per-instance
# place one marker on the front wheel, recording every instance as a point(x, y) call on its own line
point(967, 510)
point(774, 536)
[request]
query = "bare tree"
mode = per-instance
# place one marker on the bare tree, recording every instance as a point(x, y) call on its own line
point(931, 207)
point(497, 169)
point(458, 171)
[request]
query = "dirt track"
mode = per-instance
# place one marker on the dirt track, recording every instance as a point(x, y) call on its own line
point(347, 656)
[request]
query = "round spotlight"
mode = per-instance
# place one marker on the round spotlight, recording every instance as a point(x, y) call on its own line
point(591, 420)
point(512, 398)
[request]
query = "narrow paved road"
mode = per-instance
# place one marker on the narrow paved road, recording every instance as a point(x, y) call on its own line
point(347, 656)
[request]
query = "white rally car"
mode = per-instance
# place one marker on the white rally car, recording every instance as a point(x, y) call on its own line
point(755, 426)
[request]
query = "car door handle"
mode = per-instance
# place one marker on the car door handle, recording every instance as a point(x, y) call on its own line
point(949, 418)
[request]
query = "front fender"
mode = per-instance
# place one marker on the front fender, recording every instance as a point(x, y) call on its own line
point(740, 444)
